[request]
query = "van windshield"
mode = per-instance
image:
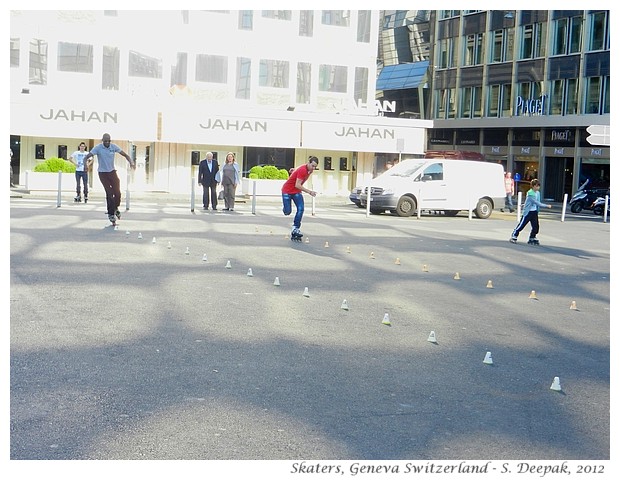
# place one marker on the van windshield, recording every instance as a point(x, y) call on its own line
point(406, 168)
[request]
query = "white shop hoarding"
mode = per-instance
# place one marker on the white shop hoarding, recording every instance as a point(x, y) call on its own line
point(182, 126)
point(365, 137)
point(83, 120)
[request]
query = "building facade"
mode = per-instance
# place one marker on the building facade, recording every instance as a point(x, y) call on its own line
point(272, 86)
point(520, 87)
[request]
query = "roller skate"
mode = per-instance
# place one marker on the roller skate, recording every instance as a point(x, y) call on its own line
point(512, 239)
point(533, 241)
point(77, 198)
point(296, 235)
point(118, 214)
point(85, 198)
point(112, 219)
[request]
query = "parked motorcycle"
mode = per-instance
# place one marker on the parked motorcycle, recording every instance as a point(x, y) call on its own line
point(598, 206)
point(585, 197)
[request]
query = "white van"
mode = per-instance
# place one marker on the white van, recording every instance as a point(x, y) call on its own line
point(437, 184)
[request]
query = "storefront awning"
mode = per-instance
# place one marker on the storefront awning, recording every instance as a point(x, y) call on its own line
point(405, 75)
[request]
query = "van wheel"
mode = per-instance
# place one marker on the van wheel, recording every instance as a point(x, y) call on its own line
point(484, 208)
point(406, 207)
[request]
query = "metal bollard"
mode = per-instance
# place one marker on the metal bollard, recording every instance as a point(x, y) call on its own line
point(564, 206)
point(58, 198)
point(193, 197)
point(253, 197)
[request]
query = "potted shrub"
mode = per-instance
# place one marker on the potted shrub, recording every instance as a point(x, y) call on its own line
point(45, 175)
point(268, 179)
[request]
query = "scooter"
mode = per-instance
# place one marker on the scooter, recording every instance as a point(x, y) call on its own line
point(598, 206)
point(584, 197)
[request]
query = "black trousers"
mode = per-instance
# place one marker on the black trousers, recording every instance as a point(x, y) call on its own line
point(209, 194)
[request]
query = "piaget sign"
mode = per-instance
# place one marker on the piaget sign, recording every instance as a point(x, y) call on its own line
point(531, 106)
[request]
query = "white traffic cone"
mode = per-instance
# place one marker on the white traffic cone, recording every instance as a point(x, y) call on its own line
point(573, 305)
point(457, 276)
point(431, 337)
point(306, 292)
point(204, 257)
point(488, 359)
point(127, 233)
point(556, 385)
point(187, 251)
point(425, 268)
point(489, 284)
point(169, 245)
point(276, 282)
point(348, 249)
point(250, 274)
point(154, 240)
point(326, 244)
point(140, 235)
point(307, 239)
point(372, 255)
point(228, 264)
point(397, 261)
point(386, 319)
point(533, 295)
point(345, 305)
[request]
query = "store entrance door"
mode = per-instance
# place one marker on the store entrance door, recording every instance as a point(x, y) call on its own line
point(558, 178)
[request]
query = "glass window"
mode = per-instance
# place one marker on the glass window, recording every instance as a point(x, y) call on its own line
point(447, 53)
point(599, 31)
point(306, 23)
point(304, 82)
point(338, 18)
point(533, 40)
point(242, 88)
point(178, 72)
point(593, 95)
point(452, 103)
point(14, 52)
point(471, 102)
point(567, 36)
point(110, 68)
point(557, 91)
point(277, 14)
point(360, 91)
point(211, 68)
point(333, 78)
point(449, 13)
point(473, 49)
point(493, 101)
point(506, 100)
point(572, 99)
point(273, 73)
point(564, 100)
point(75, 57)
point(502, 45)
point(246, 19)
point(363, 26)
point(38, 62)
point(144, 66)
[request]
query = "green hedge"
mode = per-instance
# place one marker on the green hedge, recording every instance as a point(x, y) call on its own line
point(55, 165)
point(268, 172)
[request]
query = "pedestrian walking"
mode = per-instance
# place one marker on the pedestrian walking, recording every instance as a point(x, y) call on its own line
point(208, 175)
point(530, 214)
point(509, 185)
point(292, 192)
point(81, 171)
point(105, 152)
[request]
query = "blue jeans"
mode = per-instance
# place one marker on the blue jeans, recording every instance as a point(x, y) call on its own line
point(298, 199)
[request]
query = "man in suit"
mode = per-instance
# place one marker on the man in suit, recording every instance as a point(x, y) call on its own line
point(208, 177)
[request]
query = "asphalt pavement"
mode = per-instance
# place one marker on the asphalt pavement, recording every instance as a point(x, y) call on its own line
point(138, 343)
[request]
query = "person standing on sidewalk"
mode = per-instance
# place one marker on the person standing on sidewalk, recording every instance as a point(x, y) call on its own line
point(208, 170)
point(230, 180)
point(105, 152)
point(291, 191)
point(81, 171)
point(509, 185)
point(530, 214)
